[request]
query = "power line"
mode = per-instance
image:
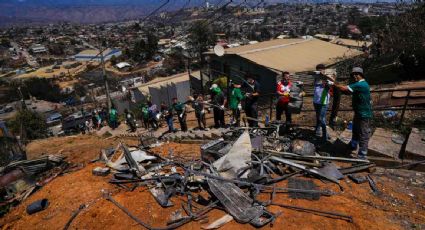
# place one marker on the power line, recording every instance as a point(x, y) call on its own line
point(154, 12)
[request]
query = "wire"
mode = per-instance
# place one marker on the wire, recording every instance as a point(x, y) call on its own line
point(100, 50)
point(154, 12)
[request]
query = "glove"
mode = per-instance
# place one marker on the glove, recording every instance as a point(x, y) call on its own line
point(222, 107)
point(330, 82)
point(181, 115)
point(239, 106)
point(203, 111)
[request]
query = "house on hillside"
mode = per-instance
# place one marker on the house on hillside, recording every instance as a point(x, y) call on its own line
point(38, 48)
point(267, 60)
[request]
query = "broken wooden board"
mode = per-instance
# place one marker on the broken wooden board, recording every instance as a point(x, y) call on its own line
point(382, 145)
point(415, 147)
point(235, 201)
point(390, 163)
point(219, 222)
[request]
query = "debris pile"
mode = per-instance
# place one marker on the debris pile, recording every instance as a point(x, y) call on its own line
point(19, 179)
point(230, 175)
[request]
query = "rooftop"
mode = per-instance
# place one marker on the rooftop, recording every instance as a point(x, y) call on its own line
point(95, 52)
point(293, 55)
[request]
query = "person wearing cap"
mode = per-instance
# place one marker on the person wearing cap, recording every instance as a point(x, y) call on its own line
point(180, 109)
point(362, 107)
point(236, 97)
point(218, 101)
point(283, 90)
point(251, 97)
point(322, 94)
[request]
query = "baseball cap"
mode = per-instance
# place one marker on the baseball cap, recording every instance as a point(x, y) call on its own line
point(357, 70)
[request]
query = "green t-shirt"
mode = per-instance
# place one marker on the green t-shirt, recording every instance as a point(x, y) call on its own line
point(145, 112)
point(235, 98)
point(113, 115)
point(361, 99)
point(178, 107)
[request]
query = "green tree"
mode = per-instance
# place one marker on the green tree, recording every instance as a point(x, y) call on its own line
point(43, 89)
point(151, 45)
point(80, 89)
point(136, 26)
point(175, 61)
point(200, 38)
point(29, 123)
point(5, 42)
point(138, 52)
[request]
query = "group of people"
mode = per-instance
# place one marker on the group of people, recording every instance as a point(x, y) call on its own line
point(325, 86)
point(248, 91)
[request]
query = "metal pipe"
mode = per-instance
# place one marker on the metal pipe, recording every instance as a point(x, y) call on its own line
point(260, 186)
point(286, 154)
point(317, 212)
point(172, 226)
point(406, 101)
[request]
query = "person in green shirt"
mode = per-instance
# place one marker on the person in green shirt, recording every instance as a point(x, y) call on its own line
point(361, 102)
point(235, 99)
point(113, 118)
point(145, 115)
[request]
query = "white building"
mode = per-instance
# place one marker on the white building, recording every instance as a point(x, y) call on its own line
point(38, 48)
point(94, 55)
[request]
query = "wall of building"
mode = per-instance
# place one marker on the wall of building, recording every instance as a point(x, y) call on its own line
point(237, 67)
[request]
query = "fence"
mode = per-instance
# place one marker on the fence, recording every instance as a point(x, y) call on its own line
point(377, 104)
point(268, 101)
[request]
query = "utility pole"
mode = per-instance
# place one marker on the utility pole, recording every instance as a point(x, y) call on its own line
point(108, 97)
point(22, 131)
point(23, 105)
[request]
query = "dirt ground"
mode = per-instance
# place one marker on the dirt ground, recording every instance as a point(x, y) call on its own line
point(400, 206)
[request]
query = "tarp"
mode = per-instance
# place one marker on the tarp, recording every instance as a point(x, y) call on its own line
point(237, 158)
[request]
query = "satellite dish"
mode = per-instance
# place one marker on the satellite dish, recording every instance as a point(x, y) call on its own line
point(219, 50)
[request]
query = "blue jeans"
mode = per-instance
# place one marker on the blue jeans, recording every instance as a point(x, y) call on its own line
point(321, 119)
point(170, 124)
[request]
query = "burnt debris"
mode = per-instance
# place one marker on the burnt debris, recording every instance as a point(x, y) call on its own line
point(233, 170)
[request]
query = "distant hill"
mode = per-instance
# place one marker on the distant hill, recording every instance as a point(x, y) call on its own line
point(89, 11)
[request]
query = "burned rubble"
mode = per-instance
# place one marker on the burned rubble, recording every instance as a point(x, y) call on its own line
point(230, 174)
point(19, 179)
